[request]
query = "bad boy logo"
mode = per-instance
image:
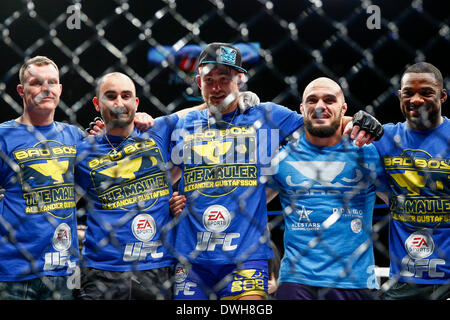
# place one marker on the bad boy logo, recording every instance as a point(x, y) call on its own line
point(221, 159)
point(135, 176)
point(46, 163)
point(416, 171)
point(312, 175)
point(228, 55)
point(127, 168)
point(46, 177)
point(212, 151)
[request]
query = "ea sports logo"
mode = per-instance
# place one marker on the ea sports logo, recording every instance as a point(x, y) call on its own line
point(181, 272)
point(419, 245)
point(216, 218)
point(144, 227)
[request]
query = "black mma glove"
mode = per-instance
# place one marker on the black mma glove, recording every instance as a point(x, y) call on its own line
point(369, 124)
point(92, 124)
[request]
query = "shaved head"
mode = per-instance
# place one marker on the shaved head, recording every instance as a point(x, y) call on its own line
point(323, 106)
point(103, 79)
point(324, 83)
point(116, 100)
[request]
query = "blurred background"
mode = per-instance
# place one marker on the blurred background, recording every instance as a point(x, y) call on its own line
point(364, 45)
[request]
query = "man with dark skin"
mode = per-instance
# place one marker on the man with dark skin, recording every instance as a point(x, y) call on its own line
point(416, 160)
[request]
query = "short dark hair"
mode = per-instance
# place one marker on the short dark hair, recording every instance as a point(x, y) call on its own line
point(425, 67)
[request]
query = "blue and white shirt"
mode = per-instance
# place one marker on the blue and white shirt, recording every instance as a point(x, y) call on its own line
point(328, 197)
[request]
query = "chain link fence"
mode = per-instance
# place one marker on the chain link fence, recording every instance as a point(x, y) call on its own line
point(364, 45)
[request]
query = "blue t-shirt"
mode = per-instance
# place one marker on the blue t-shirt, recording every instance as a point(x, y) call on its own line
point(328, 195)
point(128, 218)
point(417, 164)
point(38, 230)
point(225, 218)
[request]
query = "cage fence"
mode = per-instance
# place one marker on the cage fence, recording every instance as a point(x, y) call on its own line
point(285, 45)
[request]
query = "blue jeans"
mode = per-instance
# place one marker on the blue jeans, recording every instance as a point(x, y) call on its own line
point(44, 288)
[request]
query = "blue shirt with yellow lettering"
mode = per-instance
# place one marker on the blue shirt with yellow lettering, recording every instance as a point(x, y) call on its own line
point(417, 164)
point(127, 196)
point(223, 163)
point(38, 230)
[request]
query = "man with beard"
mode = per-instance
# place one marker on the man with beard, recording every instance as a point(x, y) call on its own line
point(327, 187)
point(416, 160)
point(38, 227)
point(222, 236)
point(124, 174)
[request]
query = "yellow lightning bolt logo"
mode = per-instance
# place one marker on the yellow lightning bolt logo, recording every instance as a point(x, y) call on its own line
point(410, 180)
point(213, 150)
point(246, 274)
point(126, 168)
point(52, 168)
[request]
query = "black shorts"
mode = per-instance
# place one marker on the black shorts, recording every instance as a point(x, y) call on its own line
point(296, 291)
point(154, 284)
point(413, 291)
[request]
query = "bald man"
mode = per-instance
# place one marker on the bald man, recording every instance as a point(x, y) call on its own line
point(123, 174)
point(327, 187)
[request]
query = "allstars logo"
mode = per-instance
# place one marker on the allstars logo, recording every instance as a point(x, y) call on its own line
point(304, 222)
